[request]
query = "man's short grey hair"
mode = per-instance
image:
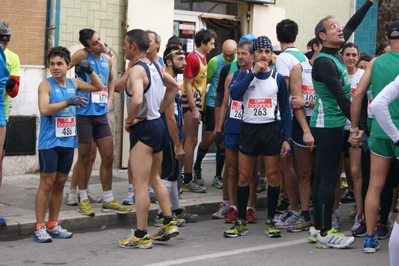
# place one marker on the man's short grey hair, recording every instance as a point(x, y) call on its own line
point(157, 37)
point(321, 27)
point(5, 28)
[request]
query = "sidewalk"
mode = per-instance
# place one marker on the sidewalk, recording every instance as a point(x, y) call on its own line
point(17, 203)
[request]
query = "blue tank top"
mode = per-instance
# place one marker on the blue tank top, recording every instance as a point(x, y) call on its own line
point(97, 104)
point(59, 130)
point(233, 121)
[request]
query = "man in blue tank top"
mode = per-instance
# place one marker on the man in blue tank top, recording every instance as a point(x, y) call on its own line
point(92, 125)
point(57, 138)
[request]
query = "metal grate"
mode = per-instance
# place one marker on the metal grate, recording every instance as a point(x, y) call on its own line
point(21, 135)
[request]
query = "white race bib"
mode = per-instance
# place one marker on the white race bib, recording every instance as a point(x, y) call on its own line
point(236, 110)
point(65, 127)
point(308, 93)
point(260, 107)
point(100, 96)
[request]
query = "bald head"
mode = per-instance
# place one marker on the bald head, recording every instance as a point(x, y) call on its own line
point(229, 50)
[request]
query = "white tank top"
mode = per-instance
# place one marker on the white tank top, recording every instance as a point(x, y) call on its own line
point(354, 83)
point(260, 104)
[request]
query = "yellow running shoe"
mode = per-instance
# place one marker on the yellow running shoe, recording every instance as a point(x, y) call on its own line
point(135, 242)
point(114, 206)
point(166, 232)
point(85, 208)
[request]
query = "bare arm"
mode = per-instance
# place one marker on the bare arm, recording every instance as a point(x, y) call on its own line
point(296, 91)
point(173, 131)
point(78, 57)
point(135, 87)
point(45, 107)
point(111, 84)
point(223, 107)
point(171, 90)
point(120, 83)
point(94, 85)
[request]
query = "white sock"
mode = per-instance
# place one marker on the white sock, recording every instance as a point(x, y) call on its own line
point(83, 195)
point(108, 196)
point(130, 186)
point(226, 203)
point(234, 207)
point(295, 213)
point(168, 187)
point(150, 189)
point(394, 245)
point(174, 196)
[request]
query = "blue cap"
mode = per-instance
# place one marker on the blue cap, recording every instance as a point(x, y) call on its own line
point(248, 37)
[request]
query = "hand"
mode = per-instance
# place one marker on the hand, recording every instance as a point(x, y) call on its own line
point(196, 115)
point(285, 149)
point(85, 67)
point(129, 123)
point(110, 103)
point(75, 101)
point(10, 84)
point(259, 67)
point(296, 103)
point(219, 137)
point(355, 139)
point(373, 1)
point(308, 140)
point(179, 151)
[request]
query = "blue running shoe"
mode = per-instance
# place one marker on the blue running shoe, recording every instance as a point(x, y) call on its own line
point(2, 221)
point(371, 244)
point(129, 200)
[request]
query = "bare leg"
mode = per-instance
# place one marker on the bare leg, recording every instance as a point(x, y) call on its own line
point(106, 148)
point(43, 194)
point(190, 129)
point(55, 196)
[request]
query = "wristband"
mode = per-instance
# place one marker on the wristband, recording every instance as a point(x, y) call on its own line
point(192, 107)
point(354, 130)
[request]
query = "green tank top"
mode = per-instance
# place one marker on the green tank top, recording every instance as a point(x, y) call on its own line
point(326, 113)
point(385, 69)
point(233, 67)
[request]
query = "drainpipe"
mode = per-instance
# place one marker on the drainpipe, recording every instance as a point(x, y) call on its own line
point(52, 29)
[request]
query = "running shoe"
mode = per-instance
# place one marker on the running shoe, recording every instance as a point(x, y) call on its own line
point(166, 232)
point(282, 205)
point(58, 232)
point(312, 235)
point(231, 216)
point(287, 221)
point(349, 197)
point(353, 212)
point(114, 206)
point(217, 182)
point(93, 198)
point(334, 239)
point(370, 244)
point(159, 221)
point(356, 223)
point(2, 221)
point(85, 208)
point(129, 200)
point(42, 236)
point(261, 185)
point(188, 217)
point(250, 216)
point(198, 177)
point(221, 213)
point(336, 220)
point(240, 228)
point(71, 197)
point(301, 225)
point(344, 183)
point(361, 230)
point(153, 198)
point(135, 242)
point(281, 216)
point(271, 229)
point(193, 187)
point(382, 231)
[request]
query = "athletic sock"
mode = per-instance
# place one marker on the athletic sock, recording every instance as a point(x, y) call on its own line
point(38, 225)
point(51, 224)
point(306, 215)
point(200, 156)
point(220, 157)
point(242, 199)
point(272, 199)
point(187, 177)
point(174, 195)
point(108, 196)
point(130, 186)
point(167, 219)
point(83, 195)
point(140, 233)
point(178, 211)
point(394, 244)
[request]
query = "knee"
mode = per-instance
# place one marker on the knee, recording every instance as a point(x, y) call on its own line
point(273, 180)
point(303, 173)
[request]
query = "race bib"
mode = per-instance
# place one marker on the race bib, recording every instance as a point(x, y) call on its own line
point(369, 101)
point(100, 96)
point(308, 93)
point(236, 110)
point(65, 127)
point(260, 107)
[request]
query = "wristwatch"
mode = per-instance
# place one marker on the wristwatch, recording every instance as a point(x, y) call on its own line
point(306, 103)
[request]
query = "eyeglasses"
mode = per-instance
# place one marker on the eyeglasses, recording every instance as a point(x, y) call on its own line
point(336, 26)
point(229, 55)
point(177, 52)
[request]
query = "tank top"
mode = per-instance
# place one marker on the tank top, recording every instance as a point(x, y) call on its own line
point(59, 130)
point(307, 85)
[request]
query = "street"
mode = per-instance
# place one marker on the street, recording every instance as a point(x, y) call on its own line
point(198, 244)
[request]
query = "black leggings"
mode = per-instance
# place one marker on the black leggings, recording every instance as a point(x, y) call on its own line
point(329, 143)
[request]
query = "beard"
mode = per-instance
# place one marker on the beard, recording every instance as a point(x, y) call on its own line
point(176, 69)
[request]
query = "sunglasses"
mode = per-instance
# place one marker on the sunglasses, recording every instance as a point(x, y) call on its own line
point(177, 52)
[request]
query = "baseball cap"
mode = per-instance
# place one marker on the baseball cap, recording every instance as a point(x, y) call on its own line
point(247, 37)
point(393, 27)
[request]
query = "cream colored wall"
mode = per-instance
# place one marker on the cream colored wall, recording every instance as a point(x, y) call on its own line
point(308, 13)
point(264, 20)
